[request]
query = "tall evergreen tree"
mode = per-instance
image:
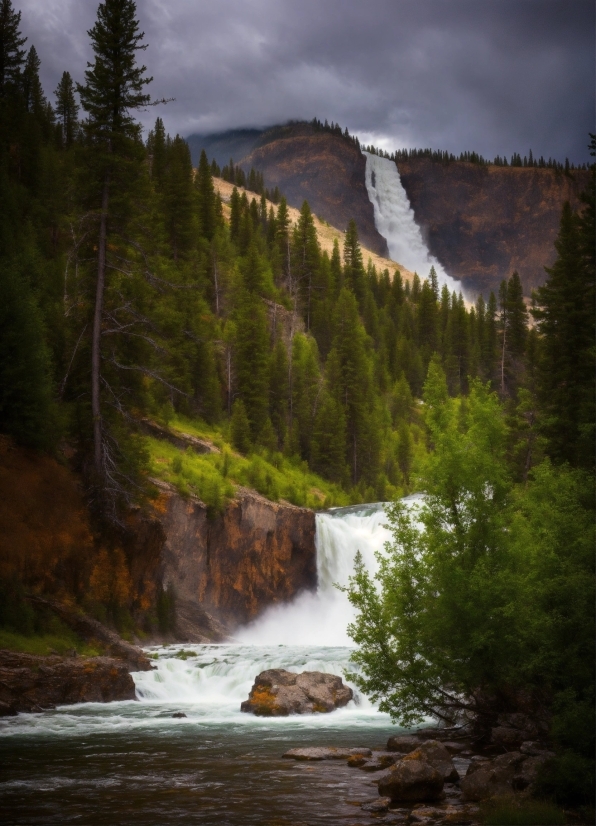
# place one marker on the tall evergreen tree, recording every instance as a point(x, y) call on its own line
point(353, 266)
point(67, 109)
point(565, 315)
point(12, 55)
point(206, 197)
point(114, 87)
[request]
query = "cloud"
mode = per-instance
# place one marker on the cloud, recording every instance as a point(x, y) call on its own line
point(495, 77)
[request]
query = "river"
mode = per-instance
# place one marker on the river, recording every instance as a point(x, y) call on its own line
point(133, 763)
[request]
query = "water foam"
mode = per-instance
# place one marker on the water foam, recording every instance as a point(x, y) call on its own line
point(322, 617)
point(394, 219)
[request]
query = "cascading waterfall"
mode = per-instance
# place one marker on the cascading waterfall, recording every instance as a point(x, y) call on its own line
point(307, 634)
point(394, 219)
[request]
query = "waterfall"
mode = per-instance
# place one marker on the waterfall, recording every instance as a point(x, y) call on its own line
point(394, 219)
point(306, 634)
point(322, 617)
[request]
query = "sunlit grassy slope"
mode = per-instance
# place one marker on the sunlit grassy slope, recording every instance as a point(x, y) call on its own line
point(213, 477)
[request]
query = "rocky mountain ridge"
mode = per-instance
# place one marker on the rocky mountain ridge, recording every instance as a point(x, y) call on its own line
point(480, 221)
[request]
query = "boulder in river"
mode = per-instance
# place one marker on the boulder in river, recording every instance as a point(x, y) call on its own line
point(411, 781)
point(278, 693)
point(326, 753)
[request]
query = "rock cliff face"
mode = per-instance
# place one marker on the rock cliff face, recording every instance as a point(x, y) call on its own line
point(484, 222)
point(323, 169)
point(227, 569)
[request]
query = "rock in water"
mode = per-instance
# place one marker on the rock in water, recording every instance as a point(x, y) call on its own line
point(326, 753)
point(411, 781)
point(277, 693)
point(31, 683)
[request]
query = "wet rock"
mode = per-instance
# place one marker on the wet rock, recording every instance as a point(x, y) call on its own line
point(30, 683)
point(411, 781)
point(437, 756)
point(426, 814)
point(513, 729)
point(403, 743)
point(492, 778)
point(178, 715)
point(454, 747)
point(377, 806)
point(356, 760)
point(326, 753)
point(277, 693)
point(528, 772)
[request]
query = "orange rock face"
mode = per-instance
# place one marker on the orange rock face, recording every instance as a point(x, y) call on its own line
point(484, 222)
point(231, 567)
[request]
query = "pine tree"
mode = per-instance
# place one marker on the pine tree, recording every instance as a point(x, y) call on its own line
point(157, 147)
point(565, 316)
point(178, 201)
point(329, 440)
point(35, 100)
point(206, 197)
point(67, 109)
point(353, 266)
point(305, 261)
point(113, 88)
point(251, 359)
point(12, 56)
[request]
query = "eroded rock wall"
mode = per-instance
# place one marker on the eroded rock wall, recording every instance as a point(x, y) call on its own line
point(484, 222)
point(227, 569)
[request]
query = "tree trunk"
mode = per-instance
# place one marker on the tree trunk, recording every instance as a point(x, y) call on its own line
point(96, 336)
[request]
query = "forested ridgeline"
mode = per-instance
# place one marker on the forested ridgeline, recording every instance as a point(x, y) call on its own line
point(127, 295)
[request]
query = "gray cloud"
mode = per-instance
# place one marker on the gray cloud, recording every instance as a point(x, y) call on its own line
point(497, 77)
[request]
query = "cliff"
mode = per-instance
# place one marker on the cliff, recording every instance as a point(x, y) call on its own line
point(227, 569)
point(480, 222)
point(323, 169)
point(484, 222)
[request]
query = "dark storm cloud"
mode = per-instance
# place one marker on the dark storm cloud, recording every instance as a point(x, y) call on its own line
point(496, 76)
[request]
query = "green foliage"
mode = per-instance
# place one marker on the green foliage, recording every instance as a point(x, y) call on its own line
point(26, 406)
point(522, 813)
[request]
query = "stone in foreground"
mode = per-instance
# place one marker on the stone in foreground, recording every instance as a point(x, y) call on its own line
point(411, 781)
point(437, 756)
point(324, 753)
point(278, 693)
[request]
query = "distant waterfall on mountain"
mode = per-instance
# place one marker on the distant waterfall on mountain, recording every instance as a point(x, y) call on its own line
point(394, 219)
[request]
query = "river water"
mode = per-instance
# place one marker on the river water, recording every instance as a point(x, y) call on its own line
point(133, 763)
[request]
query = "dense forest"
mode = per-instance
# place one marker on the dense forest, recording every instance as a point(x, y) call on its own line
point(129, 291)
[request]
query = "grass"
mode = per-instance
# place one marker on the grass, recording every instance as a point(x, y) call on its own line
point(522, 813)
point(214, 477)
point(45, 644)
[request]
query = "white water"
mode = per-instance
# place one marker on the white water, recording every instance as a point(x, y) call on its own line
point(394, 219)
point(307, 634)
point(209, 682)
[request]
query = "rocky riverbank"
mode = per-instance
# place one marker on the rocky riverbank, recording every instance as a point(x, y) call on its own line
point(29, 683)
point(437, 776)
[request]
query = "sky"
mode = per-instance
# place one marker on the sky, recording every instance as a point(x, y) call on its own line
point(493, 76)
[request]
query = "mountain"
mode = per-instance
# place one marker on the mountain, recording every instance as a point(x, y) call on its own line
point(484, 222)
point(481, 222)
point(235, 143)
